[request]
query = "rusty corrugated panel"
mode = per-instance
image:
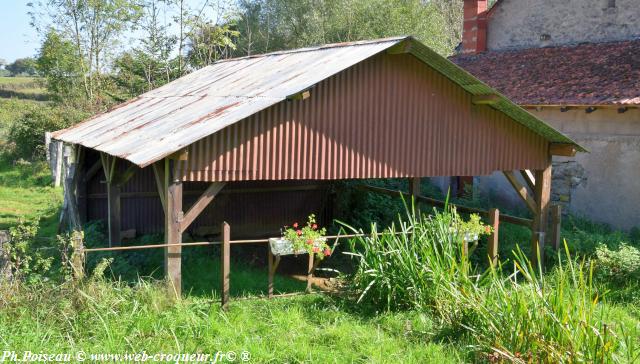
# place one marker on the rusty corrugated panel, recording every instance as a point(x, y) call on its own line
point(175, 115)
point(389, 116)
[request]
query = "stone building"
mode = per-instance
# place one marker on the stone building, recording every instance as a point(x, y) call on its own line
point(576, 65)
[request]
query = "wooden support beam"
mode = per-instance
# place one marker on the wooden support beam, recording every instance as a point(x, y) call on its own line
point(488, 99)
point(158, 172)
point(414, 190)
point(310, 270)
point(226, 262)
point(542, 204)
point(274, 261)
point(109, 166)
point(556, 226)
point(121, 178)
point(563, 150)
point(529, 178)
point(521, 190)
point(173, 235)
point(95, 167)
point(181, 155)
point(203, 201)
point(114, 211)
point(492, 247)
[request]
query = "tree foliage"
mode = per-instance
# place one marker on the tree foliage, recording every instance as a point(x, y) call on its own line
point(22, 66)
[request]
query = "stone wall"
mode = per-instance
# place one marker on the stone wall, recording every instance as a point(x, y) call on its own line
point(541, 23)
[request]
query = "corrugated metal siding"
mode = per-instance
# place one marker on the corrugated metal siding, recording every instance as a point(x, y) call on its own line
point(389, 116)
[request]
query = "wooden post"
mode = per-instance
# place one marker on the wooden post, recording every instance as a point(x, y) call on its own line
point(5, 268)
point(539, 226)
point(173, 235)
point(113, 207)
point(556, 225)
point(492, 247)
point(225, 263)
point(310, 272)
point(414, 190)
point(77, 258)
point(270, 272)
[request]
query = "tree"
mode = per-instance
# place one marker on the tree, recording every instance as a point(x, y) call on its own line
point(94, 26)
point(22, 66)
point(209, 42)
point(60, 65)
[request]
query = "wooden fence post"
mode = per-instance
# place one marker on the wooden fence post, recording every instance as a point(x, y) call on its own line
point(494, 221)
point(310, 272)
point(77, 259)
point(225, 263)
point(556, 225)
point(5, 268)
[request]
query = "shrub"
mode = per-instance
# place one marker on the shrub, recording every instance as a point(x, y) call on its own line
point(27, 133)
point(619, 266)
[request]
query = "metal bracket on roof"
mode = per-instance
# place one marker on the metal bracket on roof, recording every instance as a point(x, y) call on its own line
point(302, 95)
point(487, 99)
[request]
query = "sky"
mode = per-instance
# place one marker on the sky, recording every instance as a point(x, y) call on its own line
point(18, 39)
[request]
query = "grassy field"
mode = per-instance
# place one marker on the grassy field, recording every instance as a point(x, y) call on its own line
point(29, 88)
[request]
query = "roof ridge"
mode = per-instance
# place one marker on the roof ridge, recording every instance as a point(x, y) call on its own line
point(318, 47)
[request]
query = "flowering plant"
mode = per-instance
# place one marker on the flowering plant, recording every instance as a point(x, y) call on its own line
point(472, 229)
point(308, 238)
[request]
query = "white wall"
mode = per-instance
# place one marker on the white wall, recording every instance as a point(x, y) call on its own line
point(521, 23)
point(605, 185)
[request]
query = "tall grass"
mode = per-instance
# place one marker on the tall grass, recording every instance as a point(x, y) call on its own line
point(506, 314)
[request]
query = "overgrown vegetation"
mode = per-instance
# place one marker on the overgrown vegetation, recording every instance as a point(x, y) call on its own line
point(510, 312)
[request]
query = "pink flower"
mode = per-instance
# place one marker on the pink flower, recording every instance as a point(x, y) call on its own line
point(487, 229)
point(295, 225)
point(314, 226)
point(309, 241)
point(327, 252)
point(316, 249)
point(299, 232)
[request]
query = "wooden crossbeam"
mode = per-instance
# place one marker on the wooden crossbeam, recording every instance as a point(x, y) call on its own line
point(302, 95)
point(563, 150)
point(121, 178)
point(203, 201)
point(108, 166)
point(158, 172)
point(529, 178)
point(521, 190)
point(92, 170)
point(488, 99)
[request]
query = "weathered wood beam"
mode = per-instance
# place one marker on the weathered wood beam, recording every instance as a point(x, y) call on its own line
point(488, 99)
point(95, 167)
point(173, 235)
point(225, 266)
point(158, 172)
point(556, 226)
point(181, 155)
point(542, 204)
point(113, 199)
point(121, 178)
point(529, 178)
point(492, 247)
point(564, 150)
point(203, 201)
point(521, 190)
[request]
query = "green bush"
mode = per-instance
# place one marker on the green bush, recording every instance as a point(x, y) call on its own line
point(26, 135)
point(619, 266)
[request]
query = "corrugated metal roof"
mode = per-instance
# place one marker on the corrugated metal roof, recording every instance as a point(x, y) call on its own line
point(167, 119)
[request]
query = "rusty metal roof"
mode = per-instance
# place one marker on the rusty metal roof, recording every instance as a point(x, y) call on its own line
point(169, 118)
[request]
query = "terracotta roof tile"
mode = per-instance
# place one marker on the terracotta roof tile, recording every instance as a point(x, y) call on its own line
point(586, 74)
